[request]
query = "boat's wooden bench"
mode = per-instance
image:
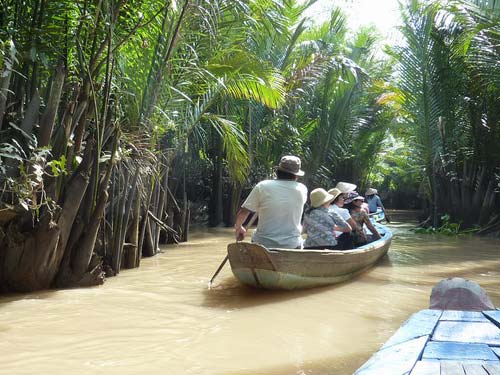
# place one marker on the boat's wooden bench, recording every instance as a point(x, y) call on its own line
point(437, 342)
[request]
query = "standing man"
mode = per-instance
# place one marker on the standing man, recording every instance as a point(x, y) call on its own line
point(279, 204)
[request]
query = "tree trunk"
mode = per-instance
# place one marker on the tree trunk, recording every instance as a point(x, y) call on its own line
point(131, 253)
point(47, 122)
point(5, 75)
point(32, 258)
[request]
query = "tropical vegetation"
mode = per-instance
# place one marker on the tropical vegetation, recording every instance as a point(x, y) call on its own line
point(122, 122)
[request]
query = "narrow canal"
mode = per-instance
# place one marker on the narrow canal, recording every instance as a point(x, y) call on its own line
point(161, 319)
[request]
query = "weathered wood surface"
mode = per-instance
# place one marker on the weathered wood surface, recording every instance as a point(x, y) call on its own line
point(436, 342)
point(464, 316)
point(458, 351)
point(397, 359)
point(421, 323)
point(426, 368)
point(494, 316)
point(468, 332)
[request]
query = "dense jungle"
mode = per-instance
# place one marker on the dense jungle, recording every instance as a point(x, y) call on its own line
point(123, 123)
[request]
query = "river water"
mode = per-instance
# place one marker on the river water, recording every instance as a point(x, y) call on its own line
point(162, 319)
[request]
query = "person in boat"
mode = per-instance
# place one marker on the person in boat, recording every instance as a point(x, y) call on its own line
point(320, 223)
point(345, 239)
point(279, 204)
point(347, 188)
point(373, 200)
point(354, 203)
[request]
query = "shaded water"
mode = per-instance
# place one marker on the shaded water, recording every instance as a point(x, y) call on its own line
point(162, 319)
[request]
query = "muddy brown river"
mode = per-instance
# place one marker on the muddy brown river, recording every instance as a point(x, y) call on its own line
point(162, 319)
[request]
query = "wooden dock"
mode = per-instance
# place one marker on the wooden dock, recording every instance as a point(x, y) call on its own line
point(437, 342)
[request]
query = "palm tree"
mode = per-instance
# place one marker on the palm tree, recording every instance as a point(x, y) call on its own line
point(447, 85)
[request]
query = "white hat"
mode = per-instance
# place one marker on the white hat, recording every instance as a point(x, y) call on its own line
point(371, 191)
point(319, 197)
point(345, 187)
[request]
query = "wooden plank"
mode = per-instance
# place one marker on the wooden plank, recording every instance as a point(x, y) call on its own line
point(458, 351)
point(426, 368)
point(452, 368)
point(464, 316)
point(398, 359)
point(494, 316)
point(493, 368)
point(420, 324)
point(469, 332)
point(474, 369)
point(496, 351)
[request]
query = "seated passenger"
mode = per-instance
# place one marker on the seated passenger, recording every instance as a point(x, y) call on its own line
point(354, 204)
point(320, 223)
point(347, 188)
point(344, 239)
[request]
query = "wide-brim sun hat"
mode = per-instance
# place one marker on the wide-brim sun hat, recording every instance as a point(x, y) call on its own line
point(290, 164)
point(371, 191)
point(335, 192)
point(319, 197)
point(345, 187)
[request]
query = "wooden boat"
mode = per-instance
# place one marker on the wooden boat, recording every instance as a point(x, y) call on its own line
point(437, 342)
point(461, 337)
point(257, 266)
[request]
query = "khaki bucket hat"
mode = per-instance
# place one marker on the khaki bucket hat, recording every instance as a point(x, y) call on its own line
point(371, 191)
point(290, 164)
point(335, 192)
point(319, 197)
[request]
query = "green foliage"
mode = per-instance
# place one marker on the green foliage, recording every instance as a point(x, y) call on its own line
point(447, 228)
point(238, 84)
point(58, 167)
point(446, 97)
point(27, 188)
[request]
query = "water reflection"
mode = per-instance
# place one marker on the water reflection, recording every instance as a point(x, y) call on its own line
point(230, 294)
point(161, 318)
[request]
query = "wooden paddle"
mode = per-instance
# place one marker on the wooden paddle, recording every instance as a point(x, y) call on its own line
point(250, 223)
point(387, 219)
point(218, 270)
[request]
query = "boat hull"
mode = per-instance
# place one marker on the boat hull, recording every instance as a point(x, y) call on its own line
point(378, 217)
point(257, 266)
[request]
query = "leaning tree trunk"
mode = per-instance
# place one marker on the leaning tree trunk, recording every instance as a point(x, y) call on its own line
point(32, 258)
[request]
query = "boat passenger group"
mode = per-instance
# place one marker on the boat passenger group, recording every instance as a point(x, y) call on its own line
point(335, 219)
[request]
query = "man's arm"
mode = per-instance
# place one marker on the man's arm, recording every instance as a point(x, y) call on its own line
point(352, 223)
point(341, 225)
point(379, 201)
point(370, 226)
point(239, 229)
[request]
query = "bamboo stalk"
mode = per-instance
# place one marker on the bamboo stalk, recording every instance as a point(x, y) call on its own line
point(144, 225)
point(117, 235)
point(130, 258)
point(5, 80)
point(126, 215)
